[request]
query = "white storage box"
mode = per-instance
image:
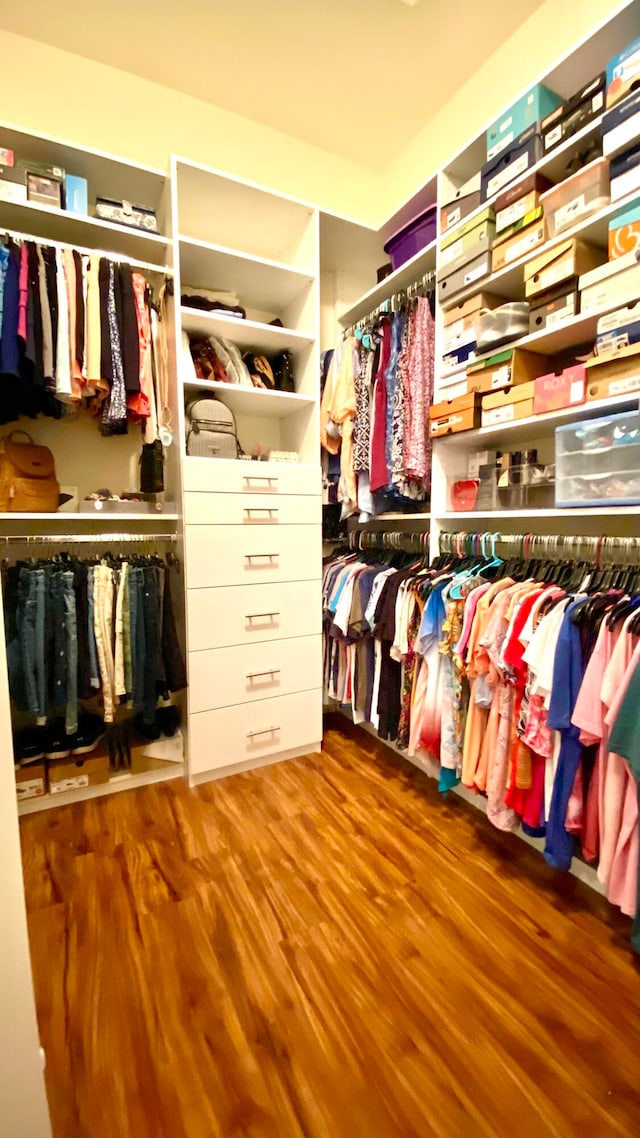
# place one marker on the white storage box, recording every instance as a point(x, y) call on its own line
point(613, 282)
point(584, 193)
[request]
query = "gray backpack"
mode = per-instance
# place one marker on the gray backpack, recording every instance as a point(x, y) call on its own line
point(211, 429)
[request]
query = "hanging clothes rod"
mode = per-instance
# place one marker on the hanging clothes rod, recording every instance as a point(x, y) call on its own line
point(391, 302)
point(389, 539)
point(86, 538)
point(602, 550)
point(118, 257)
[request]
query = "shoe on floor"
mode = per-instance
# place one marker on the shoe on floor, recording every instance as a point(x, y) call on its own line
point(58, 743)
point(149, 731)
point(91, 730)
point(28, 745)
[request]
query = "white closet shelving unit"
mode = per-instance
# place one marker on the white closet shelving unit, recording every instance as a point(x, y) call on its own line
point(84, 459)
point(252, 534)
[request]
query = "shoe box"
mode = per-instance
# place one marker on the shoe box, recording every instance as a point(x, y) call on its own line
point(31, 781)
point(78, 771)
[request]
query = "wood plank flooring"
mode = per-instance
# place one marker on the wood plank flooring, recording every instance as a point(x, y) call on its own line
point(322, 949)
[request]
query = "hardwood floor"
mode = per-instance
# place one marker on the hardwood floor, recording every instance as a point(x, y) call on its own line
point(322, 949)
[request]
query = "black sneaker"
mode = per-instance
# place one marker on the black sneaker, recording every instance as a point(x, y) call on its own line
point(168, 719)
point(91, 730)
point(28, 745)
point(58, 743)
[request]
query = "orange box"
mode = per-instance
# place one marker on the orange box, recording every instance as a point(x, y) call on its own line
point(624, 239)
point(559, 389)
point(454, 415)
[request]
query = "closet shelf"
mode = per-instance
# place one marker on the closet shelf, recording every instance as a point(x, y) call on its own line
point(554, 165)
point(269, 286)
point(535, 426)
point(574, 512)
point(411, 271)
point(255, 400)
point(119, 782)
point(44, 221)
point(94, 516)
point(244, 333)
point(509, 281)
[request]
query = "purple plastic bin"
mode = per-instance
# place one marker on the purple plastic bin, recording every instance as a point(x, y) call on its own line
point(412, 237)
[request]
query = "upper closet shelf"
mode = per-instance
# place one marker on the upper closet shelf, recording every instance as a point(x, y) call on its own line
point(535, 426)
point(47, 222)
point(244, 333)
point(509, 281)
point(554, 165)
point(261, 284)
point(401, 278)
point(255, 400)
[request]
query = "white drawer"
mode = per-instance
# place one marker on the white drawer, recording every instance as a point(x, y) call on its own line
point(233, 555)
point(236, 477)
point(220, 677)
point(217, 618)
point(247, 731)
point(252, 509)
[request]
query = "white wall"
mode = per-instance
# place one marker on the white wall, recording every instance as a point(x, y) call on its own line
point(23, 1103)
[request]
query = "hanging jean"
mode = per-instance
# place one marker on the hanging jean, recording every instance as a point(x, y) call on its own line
point(152, 643)
point(138, 649)
point(30, 625)
point(71, 653)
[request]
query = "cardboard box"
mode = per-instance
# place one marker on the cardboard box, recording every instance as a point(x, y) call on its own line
point(464, 203)
point(605, 286)
point(74, 773)
point(564, 260)
point(31, 781)
point(624, 231)
point(507, 406)
point(469, 274)
point(623, 71)
point(555, 390)
point(520, 245)
point(42, 169)
point(618, 375)
point(76, 194)
point(465, 313)
point(505, 369)
point(621, 125)
point(583, 193)
point(574, 114)
point(515, 213)
point(44, 191)
point(12, 191)
point(556, 308)
point(510, 164)
point(460, 353)
point(452, 416)
point(625, 173)
point(527, 111)
point(469, 241)
point(618, 330)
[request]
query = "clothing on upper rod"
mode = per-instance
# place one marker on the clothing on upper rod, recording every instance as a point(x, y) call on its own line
point(80, 628)
point(377, 390)
point(509, 676)
point(78, 329)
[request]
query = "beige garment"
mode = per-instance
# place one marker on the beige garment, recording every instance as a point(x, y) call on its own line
point(70, 278)
point(120, 684)
point(96, 384)
point(339, 398)
point(103, 628)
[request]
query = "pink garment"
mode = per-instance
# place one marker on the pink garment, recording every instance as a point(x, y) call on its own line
point(469, 613)
point(417, 705)
point(619, 848)
point(379, 475)
point(23, 286)
point(419, 396)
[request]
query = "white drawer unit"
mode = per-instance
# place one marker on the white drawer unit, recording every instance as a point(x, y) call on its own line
point(233, 555)
point(229, 476)
point(220, 677)
point(251, 509)
point(217, 618)
point(232, 735)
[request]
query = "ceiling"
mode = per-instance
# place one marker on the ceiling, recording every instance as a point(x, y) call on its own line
point(358, 78)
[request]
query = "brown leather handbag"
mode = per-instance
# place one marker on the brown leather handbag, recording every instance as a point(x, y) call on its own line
point(28, 482)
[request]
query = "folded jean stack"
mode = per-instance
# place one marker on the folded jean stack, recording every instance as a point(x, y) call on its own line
point(83, 637)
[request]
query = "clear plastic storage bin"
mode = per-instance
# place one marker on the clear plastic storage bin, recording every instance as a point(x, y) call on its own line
point(578, 196)
point(525, 487)
point(598, 461)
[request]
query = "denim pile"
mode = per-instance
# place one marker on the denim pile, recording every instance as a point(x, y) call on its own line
point(77, 629)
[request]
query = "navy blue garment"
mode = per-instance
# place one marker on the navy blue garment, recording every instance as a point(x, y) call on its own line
point(9, 354)
point(568, 671)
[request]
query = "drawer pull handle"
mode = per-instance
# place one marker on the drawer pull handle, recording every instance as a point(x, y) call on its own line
point(270, 510)
point(264, 731)
point(263, 556)
point(261, 615)
point(268, 478)
point(267, 672)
